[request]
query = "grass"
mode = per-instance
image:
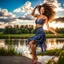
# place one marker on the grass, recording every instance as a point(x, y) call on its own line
point(28, 35)
point(54, 52)
point(11, 51)
point(60, 60)
point(8, 52)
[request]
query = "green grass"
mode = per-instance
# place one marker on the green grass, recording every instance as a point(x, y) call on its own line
point(54, 52)
point(60, 59)
point(28, 35)
point(8, 52)
point(11, 51)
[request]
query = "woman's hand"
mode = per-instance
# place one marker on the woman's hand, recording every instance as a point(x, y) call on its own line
point(56, 34)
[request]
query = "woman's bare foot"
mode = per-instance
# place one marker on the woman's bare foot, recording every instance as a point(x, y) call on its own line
point(34, 60)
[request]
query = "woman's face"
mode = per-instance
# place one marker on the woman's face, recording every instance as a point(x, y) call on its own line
point(41, 10)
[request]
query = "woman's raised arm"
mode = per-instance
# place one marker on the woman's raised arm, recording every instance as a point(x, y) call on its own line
point(33, 12)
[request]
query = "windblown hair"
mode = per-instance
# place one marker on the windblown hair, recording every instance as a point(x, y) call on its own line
point(48, 10)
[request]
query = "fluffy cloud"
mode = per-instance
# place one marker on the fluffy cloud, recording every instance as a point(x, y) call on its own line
point(5, 13)
point(63, 4)
point(23, 22)
point(54, 24)
point(6, 16)
point(26, 9)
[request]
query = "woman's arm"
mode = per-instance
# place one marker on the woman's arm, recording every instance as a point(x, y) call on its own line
point(53, 31)
point(33, 12)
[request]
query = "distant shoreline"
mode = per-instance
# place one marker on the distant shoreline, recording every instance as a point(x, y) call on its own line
point(19, 36)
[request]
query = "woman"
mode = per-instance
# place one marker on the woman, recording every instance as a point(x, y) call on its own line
point(46, 14)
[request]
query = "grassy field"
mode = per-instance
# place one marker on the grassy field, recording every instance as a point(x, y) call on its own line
point(28, 35)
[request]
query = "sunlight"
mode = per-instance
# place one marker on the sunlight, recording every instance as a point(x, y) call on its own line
point(54, 25)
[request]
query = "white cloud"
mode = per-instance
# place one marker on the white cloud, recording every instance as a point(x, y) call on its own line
point(56, 24)
point(24, 8)
point(5, 13)
point(2, 24)
point(18, 10)
point(22, 22)
point(59, 9)
point(63, 4)
point(6, 16)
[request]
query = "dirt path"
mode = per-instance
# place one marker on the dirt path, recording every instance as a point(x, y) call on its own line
point(15, 60)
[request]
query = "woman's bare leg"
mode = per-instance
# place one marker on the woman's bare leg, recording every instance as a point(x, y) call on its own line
point(33, 48)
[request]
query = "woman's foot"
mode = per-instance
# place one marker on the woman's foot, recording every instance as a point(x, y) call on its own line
point(34, 60)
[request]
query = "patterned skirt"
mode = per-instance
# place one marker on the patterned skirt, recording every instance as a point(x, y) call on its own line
point(39, 38)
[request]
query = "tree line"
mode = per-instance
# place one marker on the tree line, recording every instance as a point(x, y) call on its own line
point(26, 30)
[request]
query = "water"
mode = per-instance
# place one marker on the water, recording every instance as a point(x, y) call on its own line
point(52, 43)
point(21, 46)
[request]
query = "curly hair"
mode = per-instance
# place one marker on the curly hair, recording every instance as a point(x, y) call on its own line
point(48, 10)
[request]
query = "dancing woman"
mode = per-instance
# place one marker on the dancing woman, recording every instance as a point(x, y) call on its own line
point(46, 14)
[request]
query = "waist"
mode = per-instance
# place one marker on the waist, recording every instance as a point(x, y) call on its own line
point(38, 25)
point(40, 30)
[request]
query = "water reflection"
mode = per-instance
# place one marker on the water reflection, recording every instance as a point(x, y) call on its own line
point(52, 43)
point(55, 43)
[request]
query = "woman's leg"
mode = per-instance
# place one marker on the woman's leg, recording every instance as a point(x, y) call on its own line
point(33, 48)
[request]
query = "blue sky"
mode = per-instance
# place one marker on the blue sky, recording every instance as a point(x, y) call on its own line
point(13, 4)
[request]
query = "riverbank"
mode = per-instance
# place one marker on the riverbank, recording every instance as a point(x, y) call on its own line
point(19, 36)
point(22, 60)
point(15, 60)
point(25, 60)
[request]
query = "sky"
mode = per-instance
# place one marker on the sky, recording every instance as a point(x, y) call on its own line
point(13, 4)
point(18, 11)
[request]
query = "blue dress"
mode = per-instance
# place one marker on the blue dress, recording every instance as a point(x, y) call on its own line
point(40, 36)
